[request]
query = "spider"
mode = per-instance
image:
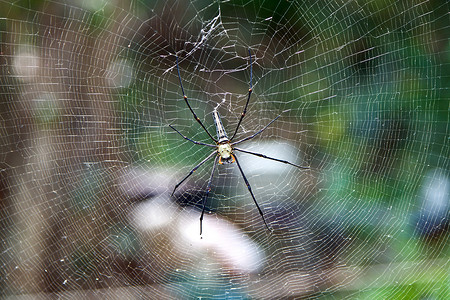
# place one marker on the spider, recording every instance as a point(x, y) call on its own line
point(225, 148)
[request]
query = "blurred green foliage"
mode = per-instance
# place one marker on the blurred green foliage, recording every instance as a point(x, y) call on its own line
point(370, 84)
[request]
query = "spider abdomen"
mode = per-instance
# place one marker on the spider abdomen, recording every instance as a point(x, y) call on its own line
point(222, 136)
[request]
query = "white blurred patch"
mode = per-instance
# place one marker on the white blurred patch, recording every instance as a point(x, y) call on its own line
point(254, 165)
point(270, 180)
point(229, 244)
point(166, 226)
point(26, 63)
point(120, 73)
point(92, 5)
point(153, 214)
point(436, 193)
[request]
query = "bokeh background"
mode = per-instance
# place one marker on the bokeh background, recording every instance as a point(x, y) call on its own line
point(88, 161)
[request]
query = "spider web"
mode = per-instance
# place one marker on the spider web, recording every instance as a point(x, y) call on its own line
point(88, 161)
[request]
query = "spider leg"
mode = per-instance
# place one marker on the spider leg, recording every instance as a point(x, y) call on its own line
point(195, 142)
point(272, 158)
point(188, 105)
point(255, 134)
point(208, 189)
point(248, 98)
point(251, 193)
point(192, 171)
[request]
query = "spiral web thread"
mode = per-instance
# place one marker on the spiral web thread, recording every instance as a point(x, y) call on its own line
point(88, 160)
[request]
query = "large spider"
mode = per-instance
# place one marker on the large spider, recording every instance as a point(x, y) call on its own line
point(225, 147)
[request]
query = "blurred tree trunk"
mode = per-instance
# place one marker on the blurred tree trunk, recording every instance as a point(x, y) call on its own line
point(63, 146)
